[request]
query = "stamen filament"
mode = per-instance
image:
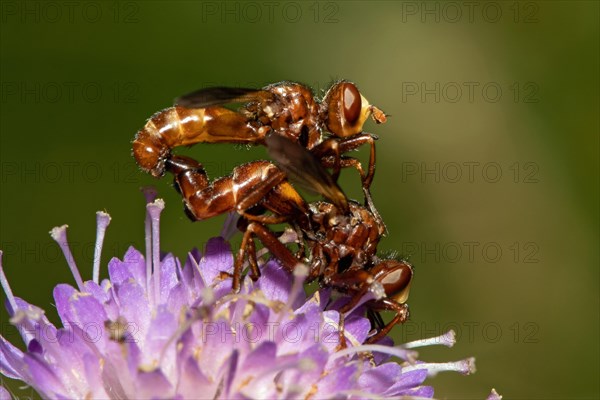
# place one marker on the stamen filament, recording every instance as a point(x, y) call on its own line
point(448, 339)
point(102, 222)
point(154, 210)
point(150, 195)
point(378, 348)
point(303, 364)
point(230, 226)
point(300, 273)
point(465, 367)
point(373, 293)
point(9, 294)
point(59, 234)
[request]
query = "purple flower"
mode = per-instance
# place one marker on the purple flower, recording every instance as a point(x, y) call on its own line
point(158, 329)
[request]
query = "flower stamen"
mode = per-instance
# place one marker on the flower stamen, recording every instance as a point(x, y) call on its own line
point(174, 332)
point(154, 210)
point(59, 234)
point(300, 274)
point(395, 351)
point(465, 367)
point(9, 294)
point(448, 339)
point(102, 222)
point(302, 364)
point(230, 226)
point(150, 195)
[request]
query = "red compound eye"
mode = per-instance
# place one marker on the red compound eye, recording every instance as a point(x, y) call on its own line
point(352, 103)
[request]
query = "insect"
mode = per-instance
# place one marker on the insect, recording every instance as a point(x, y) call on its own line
point(287, 109)
point(343, 244)
point(340, 236)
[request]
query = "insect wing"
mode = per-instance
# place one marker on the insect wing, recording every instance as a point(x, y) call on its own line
point(305, 169)
point(215, 96)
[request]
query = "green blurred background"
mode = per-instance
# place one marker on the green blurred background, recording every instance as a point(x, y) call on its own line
point(487, 170)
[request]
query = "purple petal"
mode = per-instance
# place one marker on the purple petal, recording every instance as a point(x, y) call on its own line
point(193, 383)
point(160, 332)
point(422, 391)
point(408, 380)
point(330, 334)
point(134, 355)
point(252, 372)
point(494, 395)
point(104, 297)
point(380, 378)
point(11, 361)
point(218, 342)
point(231, 368)
point(96, 291)
point(217, 258)
point(318, 356)
point(82, 310)
point(120, 369)
point(4, 395)
point(380, 358)
point(62, 293)
point(153, 385)
point(178, 299)
point(191, 273)
point(275, 281)
point(135, 307)
point(168, 276)
point(195, 254)
point(357, 328)
point(133, 267)
point(338, 380)
point(33, 322)
point(262, 356)
point(93, 376)
point(43, 378)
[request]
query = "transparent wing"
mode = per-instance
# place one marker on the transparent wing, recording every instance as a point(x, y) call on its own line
point(305, 169)
point(215, 96)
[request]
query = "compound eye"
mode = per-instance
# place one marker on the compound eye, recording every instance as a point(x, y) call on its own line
point(352, 103)
point(395, 276)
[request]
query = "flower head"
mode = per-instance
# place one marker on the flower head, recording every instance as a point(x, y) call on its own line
point(160, 329)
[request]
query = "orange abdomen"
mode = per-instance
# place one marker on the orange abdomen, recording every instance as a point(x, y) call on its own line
point(179, 126)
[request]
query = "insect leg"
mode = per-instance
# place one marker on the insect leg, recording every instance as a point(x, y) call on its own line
point(201, 198)
point(356, 282)
point(387, 304)
point(271, 242)
point(330, 151)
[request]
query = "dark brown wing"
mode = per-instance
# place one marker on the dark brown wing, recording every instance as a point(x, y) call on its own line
point(305, 169)
point(215, 96)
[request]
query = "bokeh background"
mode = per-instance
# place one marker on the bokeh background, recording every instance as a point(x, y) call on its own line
point(487, 172)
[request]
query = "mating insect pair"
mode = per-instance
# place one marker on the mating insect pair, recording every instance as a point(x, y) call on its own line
point(338, 238)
